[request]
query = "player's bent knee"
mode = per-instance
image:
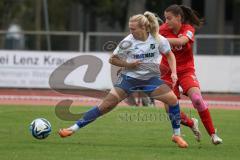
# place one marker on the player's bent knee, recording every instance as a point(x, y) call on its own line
point(198, 102)
point(172, 100)
point(108, 103)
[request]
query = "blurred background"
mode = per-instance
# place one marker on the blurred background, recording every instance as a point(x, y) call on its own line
point(38, 36)
point(85, 25)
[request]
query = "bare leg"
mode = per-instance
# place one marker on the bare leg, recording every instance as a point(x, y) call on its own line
point(110, 101)
point(115, 96)
point(165, 94)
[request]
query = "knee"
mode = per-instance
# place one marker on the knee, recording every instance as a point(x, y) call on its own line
point(106, 107)
point(196, 100)
point(173, 100)
point(108, 104)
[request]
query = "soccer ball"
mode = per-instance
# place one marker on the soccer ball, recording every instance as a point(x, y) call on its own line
point(40, 128)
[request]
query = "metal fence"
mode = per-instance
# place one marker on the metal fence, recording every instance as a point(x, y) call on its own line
point(39, 40)
point(209, 44)
point(205, 44)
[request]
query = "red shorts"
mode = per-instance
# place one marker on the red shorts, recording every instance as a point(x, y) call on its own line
point(186, 80)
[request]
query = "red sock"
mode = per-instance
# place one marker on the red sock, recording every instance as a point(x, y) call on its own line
point(185, 120)
point(207, 121)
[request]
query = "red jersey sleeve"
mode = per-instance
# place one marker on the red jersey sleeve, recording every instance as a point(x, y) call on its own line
point(189, 32)
point(163, 30)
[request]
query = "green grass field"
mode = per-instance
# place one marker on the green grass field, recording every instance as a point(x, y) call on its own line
point(125, 133)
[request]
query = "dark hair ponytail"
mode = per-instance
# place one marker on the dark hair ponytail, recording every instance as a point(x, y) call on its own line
point(188, 15)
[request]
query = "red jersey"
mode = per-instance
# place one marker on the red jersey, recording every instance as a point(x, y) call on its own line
point(183, 54)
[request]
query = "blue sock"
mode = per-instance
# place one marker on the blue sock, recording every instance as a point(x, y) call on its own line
point(174, 115)
point(89, 117)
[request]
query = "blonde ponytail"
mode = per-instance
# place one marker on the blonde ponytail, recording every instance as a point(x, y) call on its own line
point(149, 20)
point(153, 26)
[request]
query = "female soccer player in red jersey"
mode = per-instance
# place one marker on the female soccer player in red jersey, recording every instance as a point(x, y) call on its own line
point(179, 29)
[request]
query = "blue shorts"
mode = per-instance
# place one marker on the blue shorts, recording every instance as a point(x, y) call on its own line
point(130, 85)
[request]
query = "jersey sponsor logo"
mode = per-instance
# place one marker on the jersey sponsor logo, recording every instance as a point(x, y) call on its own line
point(176, 48)
point(141, 56)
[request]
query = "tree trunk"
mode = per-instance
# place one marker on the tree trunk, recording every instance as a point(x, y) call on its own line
point(236, 20)
point(135, 7)
point(38, 4)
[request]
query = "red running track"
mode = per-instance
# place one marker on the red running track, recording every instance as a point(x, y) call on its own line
point(50, 97)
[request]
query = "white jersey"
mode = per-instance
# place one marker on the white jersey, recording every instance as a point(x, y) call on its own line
point(148, 52)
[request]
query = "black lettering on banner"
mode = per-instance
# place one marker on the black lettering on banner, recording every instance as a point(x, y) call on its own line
point(4, 59)
point(26, 61)
point(47, 60)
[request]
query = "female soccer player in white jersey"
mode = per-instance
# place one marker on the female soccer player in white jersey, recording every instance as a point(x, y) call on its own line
point(139, 54)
